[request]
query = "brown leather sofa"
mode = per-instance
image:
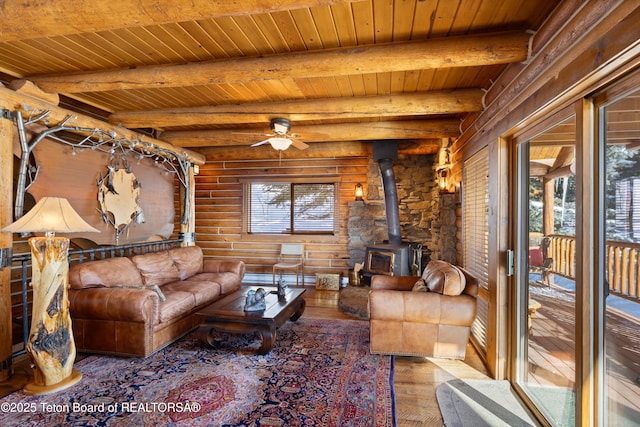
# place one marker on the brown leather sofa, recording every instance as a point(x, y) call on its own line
point(423, 316)
point(135, 306)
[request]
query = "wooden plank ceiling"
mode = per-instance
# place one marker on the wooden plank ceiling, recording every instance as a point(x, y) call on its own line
point(212, 74)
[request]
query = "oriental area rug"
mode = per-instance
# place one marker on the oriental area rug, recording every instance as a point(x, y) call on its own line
point(318, 373)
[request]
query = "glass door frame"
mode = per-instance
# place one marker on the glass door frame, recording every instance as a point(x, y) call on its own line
point(595, 110)
point(518, 283)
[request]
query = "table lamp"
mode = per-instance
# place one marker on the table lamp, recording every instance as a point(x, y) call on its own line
point(50, 344)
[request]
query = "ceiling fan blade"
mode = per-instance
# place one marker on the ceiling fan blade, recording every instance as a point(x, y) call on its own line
point(266, 141)
point(253, 133)
point(299, 144)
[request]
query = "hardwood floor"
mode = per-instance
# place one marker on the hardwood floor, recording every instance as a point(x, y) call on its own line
point(415, 380)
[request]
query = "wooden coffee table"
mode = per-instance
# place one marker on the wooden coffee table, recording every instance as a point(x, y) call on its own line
point(228, 315)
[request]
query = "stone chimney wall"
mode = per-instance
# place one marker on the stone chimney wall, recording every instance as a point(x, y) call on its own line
point(425, 216)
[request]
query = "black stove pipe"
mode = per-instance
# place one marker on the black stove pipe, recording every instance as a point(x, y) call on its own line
point(390, 201)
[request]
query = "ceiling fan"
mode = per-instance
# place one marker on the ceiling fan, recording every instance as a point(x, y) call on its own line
point(280, 138)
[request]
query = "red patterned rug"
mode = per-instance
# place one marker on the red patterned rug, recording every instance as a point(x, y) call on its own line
point(319, 373)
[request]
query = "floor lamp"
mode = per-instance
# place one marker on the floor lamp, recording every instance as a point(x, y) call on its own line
point(50, 344)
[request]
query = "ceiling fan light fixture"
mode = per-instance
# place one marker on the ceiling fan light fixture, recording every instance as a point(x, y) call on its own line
point(280, 144)
point(280, 126)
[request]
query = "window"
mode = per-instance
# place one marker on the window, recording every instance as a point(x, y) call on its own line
point(290, 208)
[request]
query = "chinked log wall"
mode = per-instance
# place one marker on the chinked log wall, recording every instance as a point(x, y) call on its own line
point(218, 197)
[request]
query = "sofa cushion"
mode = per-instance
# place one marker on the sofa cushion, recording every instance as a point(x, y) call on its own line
point(188, 260)
point(228, 281)
point(106, 273)
point(444, 278)
point(203, 292)
point(177, 304)
point(157, 268)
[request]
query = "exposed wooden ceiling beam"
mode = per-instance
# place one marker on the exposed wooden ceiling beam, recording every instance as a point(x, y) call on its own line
point(323, 150)
point(30, 20)
point(559, 172)
point(564, 158)
point(28, 104)
point(440, 102)
point(408, 129)
point(538, 169)
point(467, 51)
point(315, 151)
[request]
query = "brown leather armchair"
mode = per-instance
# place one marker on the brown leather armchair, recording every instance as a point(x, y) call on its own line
point(433, 321)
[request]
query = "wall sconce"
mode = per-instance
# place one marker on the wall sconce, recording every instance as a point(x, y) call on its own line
point(359, 192)
point(196, 169)
point(443, 181)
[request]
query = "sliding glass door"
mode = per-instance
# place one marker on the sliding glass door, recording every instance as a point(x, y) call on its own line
point(618, 119)
point(576, 234)
point(545, 282)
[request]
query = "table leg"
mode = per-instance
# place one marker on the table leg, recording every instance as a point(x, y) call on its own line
point(299, 310)
point(268, 336)
point(206, 336)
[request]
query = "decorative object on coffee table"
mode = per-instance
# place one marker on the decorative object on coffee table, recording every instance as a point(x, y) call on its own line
point(50, 344)
point(254, 301)
point(282, 287)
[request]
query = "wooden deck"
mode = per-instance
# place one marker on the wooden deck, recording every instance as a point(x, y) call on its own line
point(551, 353)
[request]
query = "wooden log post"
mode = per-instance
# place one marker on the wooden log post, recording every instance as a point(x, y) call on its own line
point(188, 230)
point(7, 131)
point(548, 194)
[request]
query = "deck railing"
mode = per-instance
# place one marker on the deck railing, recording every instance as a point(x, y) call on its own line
point(622, 264)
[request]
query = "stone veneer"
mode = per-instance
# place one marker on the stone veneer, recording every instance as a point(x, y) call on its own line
point(426, 216)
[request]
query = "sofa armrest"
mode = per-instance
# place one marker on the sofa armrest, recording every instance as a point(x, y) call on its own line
point(211, 265)
point(399, 283)
point(122, 304)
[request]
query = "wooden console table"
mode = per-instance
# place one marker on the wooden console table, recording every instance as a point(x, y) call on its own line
point(228, 315)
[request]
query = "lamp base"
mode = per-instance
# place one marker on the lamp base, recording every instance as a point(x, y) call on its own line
point(34, 389)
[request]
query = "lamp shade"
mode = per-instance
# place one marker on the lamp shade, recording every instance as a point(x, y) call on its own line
point(50, 214)
point(280, 143)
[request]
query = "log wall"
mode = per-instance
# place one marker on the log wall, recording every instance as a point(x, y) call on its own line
point(219, 200)
point(219, 209)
